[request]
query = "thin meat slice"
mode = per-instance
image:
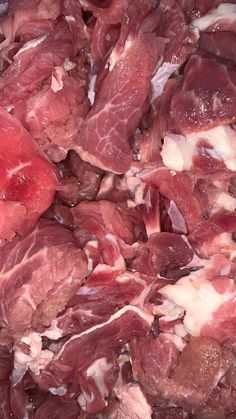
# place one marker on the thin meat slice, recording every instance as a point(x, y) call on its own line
point(169, 22)
point(21, 14)
point(108, 15)
point(159, 121)
point(172, 25)
point(27, 182)
point(105, 291)
point(32, 269)
point(35, 28)
point(95, 348)
point(206, 96)
point(103, 140)
point(116, 228)
point(32, 65)
point(179, 188)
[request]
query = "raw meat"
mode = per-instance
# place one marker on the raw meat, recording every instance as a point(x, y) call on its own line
point(35, 267)
point(28, 180)
point(31, 66)
point(28, 14)
point(106, 290)
point(163, 252)
point(120, 103)
point(70, 373)
point(117, 209)
point(206, 96)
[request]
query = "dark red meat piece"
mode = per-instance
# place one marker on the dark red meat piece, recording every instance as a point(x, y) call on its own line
point(206, 96)
point(163, 253)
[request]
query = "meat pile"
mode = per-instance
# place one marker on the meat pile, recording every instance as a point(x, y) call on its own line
point(117, 209)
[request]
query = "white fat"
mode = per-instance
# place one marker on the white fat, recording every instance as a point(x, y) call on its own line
point(224, 12)
point(84, 3)
point(223, 140)
point(28, 408)
point(133, 403)
point(59, 391)
point(172, 153)
point(226, 201)
point(91, 92)
point(136, 186)
point(146, 316)
point(68, 65)
point(53, 332)
point(180, 330)
point(119, 261)
point(177, 340)
point(70, 18)
point(36, 360)
point(106, 184)
point(90, 260)
point(82, 402)
point(198, 298)
point(88, 397)
point(115, 56)
point(102, 267)
point(160, 78)
point(178, 150)
point(97, 371)
point(31, 44)
point(177, 220)
point(169, 309)
point(57, 83)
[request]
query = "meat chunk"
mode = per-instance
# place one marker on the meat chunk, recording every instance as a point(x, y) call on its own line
point(40, 272)
point(163, 253)
point(186, 379)
point(28, 17)
point(82, 371)
point(32, 65)
point(28, 180)
point(206, 96)
point(120, 103)
point(105, 291)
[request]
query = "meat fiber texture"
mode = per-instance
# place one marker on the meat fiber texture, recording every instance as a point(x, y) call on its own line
point(117, 209)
